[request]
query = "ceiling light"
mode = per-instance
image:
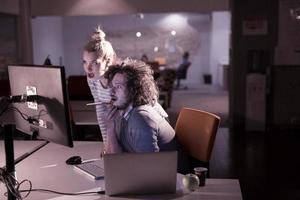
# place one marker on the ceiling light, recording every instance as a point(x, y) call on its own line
point(295, 13)
point(138, 34)
point(140, 15)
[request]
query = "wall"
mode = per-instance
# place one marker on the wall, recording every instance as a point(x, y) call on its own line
point(288, 46)
point(47, 33)
point(220, 46)
point(9, 6)
point(193, 33)
point(242, 45)
point(8, 41)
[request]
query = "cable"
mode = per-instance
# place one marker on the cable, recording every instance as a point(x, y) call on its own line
point(63, 193)
point(40, 113)
point(14, 187)
point(23, 115)
point(30, 119)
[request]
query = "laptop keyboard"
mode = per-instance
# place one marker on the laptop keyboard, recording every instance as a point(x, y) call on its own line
point(95, 168)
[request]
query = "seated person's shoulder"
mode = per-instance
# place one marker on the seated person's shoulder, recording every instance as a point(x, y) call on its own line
point(145, 110)
point(145, 114)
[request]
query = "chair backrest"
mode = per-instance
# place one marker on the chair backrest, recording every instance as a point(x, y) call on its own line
point(4, 87)
point(182, 70)
point(78, 88)
point(196, 131)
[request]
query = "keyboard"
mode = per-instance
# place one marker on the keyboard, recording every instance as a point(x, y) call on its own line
point(94, 169)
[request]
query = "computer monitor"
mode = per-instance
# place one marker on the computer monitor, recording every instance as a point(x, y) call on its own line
point(48, 117)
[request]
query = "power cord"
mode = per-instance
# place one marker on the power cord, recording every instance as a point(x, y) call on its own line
point(13, 186)
point(63, 193)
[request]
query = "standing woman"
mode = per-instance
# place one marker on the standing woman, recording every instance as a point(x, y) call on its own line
point(98, 54)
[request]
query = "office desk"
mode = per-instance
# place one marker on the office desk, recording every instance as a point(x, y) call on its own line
point(46, 169)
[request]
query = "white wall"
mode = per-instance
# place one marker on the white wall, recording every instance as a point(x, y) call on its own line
point(47, 33)
point(193, 33)
point(68, 35)
point(220, 39)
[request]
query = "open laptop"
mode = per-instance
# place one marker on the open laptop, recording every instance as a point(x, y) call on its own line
point(140, 173)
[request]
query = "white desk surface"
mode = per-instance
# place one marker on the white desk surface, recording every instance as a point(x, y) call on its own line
point(46, 169)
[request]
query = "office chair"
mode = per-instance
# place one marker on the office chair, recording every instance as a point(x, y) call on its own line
point(181, 73)
point(195, 131)
point(78, 88)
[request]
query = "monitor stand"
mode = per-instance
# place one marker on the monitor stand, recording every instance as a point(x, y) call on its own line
point(9, 154)
point(9, 141)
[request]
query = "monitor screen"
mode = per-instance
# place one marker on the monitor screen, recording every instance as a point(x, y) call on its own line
point(48, 116)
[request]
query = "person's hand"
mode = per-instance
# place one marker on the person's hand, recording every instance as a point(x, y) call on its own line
point(110, 121)
point(112, 114)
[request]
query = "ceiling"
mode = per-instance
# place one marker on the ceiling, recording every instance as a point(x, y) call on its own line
point(113, 7)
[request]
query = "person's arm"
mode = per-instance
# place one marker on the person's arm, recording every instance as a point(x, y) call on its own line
point(159, 109)
point(103, 95)
point(143, 131)
point(112, 145)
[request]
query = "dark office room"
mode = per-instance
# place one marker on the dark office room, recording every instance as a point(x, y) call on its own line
point(218, 116)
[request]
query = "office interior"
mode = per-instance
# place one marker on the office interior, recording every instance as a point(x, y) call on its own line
point(248, 50)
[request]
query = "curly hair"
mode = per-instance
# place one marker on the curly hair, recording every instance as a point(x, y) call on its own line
point(140, 82)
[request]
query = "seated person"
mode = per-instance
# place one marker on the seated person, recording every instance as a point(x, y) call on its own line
point(144, 58)
point(182, 69)
point(133, 124)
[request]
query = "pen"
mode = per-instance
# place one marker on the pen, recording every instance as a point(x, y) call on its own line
point(94, 103)
point(99, 102)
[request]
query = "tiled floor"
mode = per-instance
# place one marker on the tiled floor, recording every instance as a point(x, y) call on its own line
point(204, 97)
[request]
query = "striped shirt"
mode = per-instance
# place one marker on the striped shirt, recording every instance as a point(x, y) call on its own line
point(103, 95)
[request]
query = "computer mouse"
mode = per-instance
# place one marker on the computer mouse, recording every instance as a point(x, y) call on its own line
point(74, 160)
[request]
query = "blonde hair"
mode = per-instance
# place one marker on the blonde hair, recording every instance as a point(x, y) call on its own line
point(97, 43)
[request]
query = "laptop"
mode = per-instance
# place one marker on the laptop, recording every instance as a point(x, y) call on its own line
point(140, 173)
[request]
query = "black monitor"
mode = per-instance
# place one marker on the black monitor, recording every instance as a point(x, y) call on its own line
point(48, 117)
